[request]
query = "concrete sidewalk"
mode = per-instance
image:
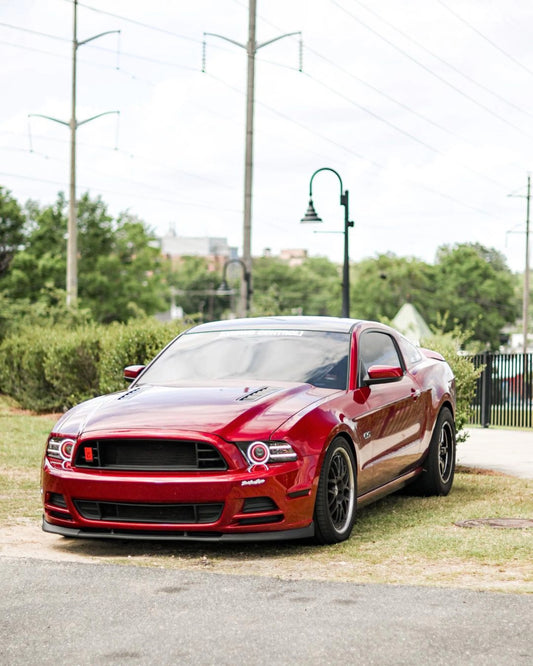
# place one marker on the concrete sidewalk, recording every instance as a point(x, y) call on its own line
point(499, 449)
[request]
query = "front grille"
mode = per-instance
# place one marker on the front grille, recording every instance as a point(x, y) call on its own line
point(149, 513)
point(149, 455)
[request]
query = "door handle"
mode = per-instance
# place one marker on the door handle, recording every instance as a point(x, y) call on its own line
point(415, 394)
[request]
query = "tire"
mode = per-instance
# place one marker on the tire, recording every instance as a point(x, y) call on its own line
point(336, 497)
point(439, 467)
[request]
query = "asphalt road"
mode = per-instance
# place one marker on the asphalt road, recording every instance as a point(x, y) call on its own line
point(69, 613)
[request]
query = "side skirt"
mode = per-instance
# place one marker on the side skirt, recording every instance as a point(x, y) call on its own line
point(388, 488)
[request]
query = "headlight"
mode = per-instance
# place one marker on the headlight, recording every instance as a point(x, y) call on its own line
point(60, 449)
point(263, 452)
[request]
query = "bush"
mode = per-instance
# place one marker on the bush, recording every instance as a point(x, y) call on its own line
point(54, 368)
point(466, 374)
point(22, 375)
point(71, 365)
point(135, 343)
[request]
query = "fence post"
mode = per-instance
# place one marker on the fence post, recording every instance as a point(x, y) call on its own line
point(486, 389)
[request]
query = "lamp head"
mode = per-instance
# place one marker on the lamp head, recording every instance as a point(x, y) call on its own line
point(224, 289)
point(310, 214)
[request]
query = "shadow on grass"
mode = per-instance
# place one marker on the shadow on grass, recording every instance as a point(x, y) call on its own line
point(384, 520)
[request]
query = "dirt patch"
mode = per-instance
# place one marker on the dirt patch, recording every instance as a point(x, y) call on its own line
point(287, 561)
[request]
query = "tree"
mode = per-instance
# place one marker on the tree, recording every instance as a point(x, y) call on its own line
point(12, 221)
point(41, 264)
point(475, 289)
point(380, 286)
point(194, 283)
point(119, 269)
point(121, 272)
point(311, 288)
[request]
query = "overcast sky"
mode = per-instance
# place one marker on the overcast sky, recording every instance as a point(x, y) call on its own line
point(424, 108)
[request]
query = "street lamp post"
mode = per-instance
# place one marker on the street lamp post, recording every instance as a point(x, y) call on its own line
point(311, 216)
point(224, 288)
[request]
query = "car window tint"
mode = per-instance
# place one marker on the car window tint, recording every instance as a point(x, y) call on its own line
point(376, 348)
point(315, 357)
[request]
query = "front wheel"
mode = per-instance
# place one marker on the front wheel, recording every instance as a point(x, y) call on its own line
point(439, 468)
point(336, 494)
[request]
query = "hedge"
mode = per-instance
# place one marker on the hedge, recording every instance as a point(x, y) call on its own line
point(52, 369)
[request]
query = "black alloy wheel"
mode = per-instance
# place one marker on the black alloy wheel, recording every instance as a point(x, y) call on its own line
point(336, 495)
point(439, 468)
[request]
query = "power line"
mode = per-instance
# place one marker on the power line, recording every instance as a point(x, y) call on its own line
point(405, 133)
point(483, 36)
point(285, 116)
point(430, 71)
point(140, 24)
point(444, 62)
point(125, 54)
point(136, 195)
point(387, 96)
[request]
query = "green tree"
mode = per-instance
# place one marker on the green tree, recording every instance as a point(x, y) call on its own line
point(12, 220)
point(41, 264)
point(380, 286)
point(475, 290)
point(194, 284)
point(120, 273)
point(311, 288)
point(122, 276)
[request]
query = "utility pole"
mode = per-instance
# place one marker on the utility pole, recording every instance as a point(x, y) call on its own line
point(72, 226)
point(525, 303)
point(525, 298)
point(73, 124)
point(251, 49)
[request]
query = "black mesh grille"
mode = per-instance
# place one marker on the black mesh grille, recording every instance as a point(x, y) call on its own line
point(149, 455)
point(149, 513)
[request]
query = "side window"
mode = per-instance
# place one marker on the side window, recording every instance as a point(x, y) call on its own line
point(410, 353)
point(376, 348)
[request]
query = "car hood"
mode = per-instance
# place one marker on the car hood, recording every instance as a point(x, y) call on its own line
point(233, 411)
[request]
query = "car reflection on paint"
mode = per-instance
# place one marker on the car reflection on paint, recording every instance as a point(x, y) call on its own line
point(251, 429)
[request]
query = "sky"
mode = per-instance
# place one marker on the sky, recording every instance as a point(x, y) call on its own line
point(424, 108)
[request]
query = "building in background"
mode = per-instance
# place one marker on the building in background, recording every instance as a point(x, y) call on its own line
point(214, 249)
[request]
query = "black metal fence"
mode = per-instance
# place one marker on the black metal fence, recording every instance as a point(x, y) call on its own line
point(504, 390)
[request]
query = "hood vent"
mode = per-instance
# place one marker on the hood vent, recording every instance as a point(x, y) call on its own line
point(255, 394)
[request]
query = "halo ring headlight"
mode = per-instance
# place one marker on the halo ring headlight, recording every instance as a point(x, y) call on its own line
point(258, 453)
point(67, 445)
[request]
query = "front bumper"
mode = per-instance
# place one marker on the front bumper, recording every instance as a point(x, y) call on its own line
point(259, 504)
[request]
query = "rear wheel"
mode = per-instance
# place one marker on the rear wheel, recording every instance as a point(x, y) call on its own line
point(336, 494)
point(439, 468)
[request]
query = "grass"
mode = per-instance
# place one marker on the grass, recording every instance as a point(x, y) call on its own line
point(399, 540)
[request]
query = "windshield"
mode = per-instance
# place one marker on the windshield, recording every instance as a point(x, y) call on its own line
point(316, 357)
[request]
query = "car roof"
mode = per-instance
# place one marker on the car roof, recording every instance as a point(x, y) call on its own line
point(331, 324)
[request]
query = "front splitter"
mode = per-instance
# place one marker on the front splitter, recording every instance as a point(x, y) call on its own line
point(282, 535)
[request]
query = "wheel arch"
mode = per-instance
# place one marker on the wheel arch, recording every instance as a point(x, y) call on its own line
point(449, 404)
point(343, 434)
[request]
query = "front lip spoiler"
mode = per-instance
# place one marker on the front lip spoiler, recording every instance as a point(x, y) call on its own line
point(124, 535)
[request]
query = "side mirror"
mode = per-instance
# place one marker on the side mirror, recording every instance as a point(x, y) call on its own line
point(132, 372)
point(381, 374)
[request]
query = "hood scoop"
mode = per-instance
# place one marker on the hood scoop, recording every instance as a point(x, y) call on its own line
point(256, 394)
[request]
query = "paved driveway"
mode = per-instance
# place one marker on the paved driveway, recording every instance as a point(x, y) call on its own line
point(499, 449)
point(68, 613)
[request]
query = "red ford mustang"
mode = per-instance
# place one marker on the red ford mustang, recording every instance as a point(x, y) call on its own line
point(267, 428)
